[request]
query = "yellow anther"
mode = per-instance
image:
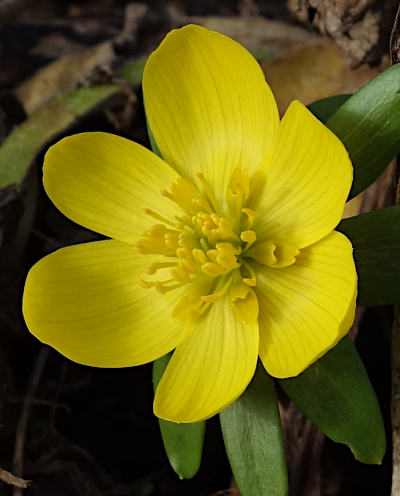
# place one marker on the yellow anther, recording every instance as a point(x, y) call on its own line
point(159, 217)
point(204, 244)
point(182, 193)
point(159, 285)
point(212, 269)
point(212, 254)
point(225, 229)
point(153, 241)
point(188, 265)
point(171, 240)
point(206, 248)
point(188, 239)
point(161, 288)
point(199, 255)
point(183, 252)
point(215, 218)
point(226, 256)
point(153, 267)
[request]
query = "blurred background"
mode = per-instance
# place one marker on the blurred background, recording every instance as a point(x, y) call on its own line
point(73, 66)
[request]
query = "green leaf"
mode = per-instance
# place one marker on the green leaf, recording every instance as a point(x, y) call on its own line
point(324, 108)
point(376, 240)
point(336, 394)
point(252, 434)
point(183, 442)
point(133, 72)
point(368, 124)
point(25, 142)
point(53, 118)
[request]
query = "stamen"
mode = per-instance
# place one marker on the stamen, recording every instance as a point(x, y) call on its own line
point(182, 193)
point(199, 255)
point(226, 256)
point(219, 291)
point(212, 269)
point(196, 313)
point(160, 285)
point(171, 240)
point(153, 267)
point(159, 217)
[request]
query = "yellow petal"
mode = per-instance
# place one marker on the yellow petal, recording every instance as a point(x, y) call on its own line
point(305, 309)
point(104, 182)
point(307, 176)
point(208, 105)
point(86, 302)
point(210, 369)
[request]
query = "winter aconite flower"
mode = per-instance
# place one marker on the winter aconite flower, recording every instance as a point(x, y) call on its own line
point(223, 251)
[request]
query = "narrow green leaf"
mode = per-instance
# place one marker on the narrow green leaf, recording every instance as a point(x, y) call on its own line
point(51, 119)
point(336, 394)
point(133, 72)
point(376, 240)
point(252, 433)
point(324, 108)
point(368, 124)
point(183, 442)
point(25, 142)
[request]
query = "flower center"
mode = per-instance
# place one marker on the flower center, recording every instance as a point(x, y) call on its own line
point(208, 251)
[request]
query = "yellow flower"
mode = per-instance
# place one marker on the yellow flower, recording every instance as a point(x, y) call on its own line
point(223, 251)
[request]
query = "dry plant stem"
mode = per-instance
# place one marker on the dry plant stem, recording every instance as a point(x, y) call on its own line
point(395, 406)
point(396, 403)
point(11, 479)
point(395, 39)
point(18, 461)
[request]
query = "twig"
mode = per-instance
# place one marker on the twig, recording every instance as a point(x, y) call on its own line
point(395, 39)
point(395, 404)
point(18, 461)
point(11, 479)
